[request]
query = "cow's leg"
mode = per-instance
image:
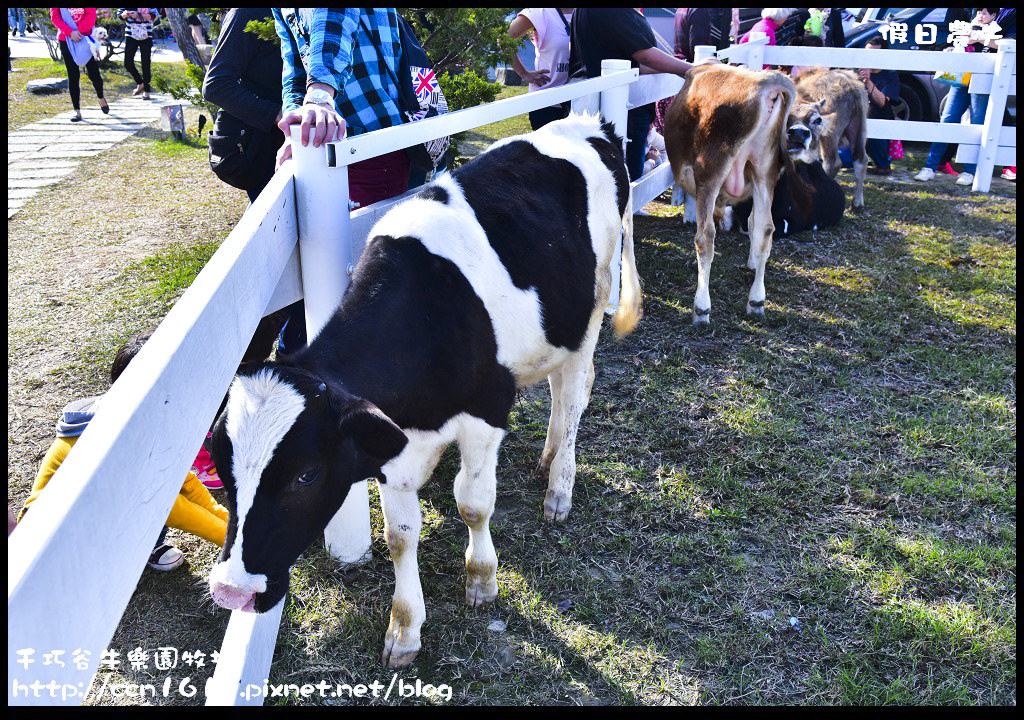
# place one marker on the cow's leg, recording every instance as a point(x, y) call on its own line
point(829, 150)
point(555, 423)
point(705, 243)
point(860, 167)
point(761, 230)
point(402, 523)
point(577, 378)
point(475, 488)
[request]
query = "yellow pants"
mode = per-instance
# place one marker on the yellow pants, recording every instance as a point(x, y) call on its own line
point(194, 511)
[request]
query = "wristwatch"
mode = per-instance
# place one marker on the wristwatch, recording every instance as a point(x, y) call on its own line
point(319, 96)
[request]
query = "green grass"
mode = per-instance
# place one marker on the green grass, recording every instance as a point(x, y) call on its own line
point(849, 461)
point(24, 107)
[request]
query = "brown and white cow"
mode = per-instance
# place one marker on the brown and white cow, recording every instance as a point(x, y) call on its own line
point(725, 134)
point(844, 109)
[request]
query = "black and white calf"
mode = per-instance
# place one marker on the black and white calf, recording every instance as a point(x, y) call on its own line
point(488, 280)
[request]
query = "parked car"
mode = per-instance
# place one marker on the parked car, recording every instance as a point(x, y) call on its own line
point(918, 90)
point(920, 93)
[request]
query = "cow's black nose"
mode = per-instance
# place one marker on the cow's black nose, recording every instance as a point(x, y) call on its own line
point(799, 134)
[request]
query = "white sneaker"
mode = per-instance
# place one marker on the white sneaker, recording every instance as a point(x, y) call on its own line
point(165, 557)
point(965, 179)
point(925, 175)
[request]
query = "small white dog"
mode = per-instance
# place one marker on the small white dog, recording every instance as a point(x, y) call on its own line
point(99, 36)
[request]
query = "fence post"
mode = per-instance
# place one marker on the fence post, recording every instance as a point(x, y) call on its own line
point(1005, 62)
point(325, 248)
point(614, 104)
point(755, 60)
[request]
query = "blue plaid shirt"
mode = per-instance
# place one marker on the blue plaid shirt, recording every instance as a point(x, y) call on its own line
point(335, 46)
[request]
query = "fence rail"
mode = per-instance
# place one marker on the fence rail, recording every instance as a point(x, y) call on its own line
point(992, 73)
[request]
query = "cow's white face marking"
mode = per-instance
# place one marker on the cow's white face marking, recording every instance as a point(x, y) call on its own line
point(261, 409)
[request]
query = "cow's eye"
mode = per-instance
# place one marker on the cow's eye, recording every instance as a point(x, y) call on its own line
point(309, 476)
point(816, 121)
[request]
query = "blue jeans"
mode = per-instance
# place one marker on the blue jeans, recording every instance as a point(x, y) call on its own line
point(878, 150)
point(957, 103)
point(16, 20)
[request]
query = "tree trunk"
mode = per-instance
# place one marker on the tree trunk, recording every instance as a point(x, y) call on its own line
point(183, 35)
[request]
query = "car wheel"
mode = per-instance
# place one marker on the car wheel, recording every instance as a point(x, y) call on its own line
point(900, 109)
point(914, 108)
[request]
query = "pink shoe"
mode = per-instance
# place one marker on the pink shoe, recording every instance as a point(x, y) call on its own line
point(205, 470)
point(948, 169)
point(210, 480)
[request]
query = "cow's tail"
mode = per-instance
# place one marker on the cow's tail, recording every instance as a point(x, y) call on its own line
point(629, 311)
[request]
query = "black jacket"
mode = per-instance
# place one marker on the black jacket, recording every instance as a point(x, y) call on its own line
point(244, 77)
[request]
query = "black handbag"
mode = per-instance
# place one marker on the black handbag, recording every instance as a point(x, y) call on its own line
point(241, 155)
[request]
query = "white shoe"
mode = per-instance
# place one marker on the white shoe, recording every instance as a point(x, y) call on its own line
point(965, 179)
point(1009, 174)
point(925, 175)
point(165, 557)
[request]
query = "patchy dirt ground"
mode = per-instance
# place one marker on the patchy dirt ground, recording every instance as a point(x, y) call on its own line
point(65, 249)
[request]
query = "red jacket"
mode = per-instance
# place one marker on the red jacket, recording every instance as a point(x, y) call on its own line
point(85, 19)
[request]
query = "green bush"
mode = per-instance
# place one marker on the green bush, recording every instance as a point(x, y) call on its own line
point(467, 89)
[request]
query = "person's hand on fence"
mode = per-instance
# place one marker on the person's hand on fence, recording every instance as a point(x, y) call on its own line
point(538, 77)
point(326, 124)
point(283, 155)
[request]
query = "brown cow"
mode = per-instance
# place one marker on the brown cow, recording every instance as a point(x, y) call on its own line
point(726, 140)
point(844, 108)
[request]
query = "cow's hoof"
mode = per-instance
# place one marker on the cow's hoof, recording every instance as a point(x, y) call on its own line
point(556, 507)
point(701, 317)
point(755, 309)
point(398, 657)
point(480, 593)
point(857, 209)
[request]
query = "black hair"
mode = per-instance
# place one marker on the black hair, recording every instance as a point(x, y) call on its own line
point(808, 41)
point(878, 40)
point(126, 352)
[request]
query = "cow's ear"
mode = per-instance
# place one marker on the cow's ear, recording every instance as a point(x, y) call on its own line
point(372, 431)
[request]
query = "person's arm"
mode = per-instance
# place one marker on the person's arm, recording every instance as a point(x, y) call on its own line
point(88, 21)
point(516, 29)
point(235, 51)
point(58, 22)
point(875, 95)
point(53, 459)
point(325, 122)
point(654, 60)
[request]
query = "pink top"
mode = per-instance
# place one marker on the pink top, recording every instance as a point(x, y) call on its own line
point(765, 25)
point(85, 19)
point(552, 44)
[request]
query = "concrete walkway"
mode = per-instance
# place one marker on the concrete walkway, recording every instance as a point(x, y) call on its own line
point(43, 152)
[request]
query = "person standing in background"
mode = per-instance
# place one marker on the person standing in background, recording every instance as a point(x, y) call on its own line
point(83, 19)
point(624, 34)
point(243, 81)
point(138, 37)
point(549, 30)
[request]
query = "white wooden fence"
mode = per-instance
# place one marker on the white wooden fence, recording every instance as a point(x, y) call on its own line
point(75, 560)
point(988, 144)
